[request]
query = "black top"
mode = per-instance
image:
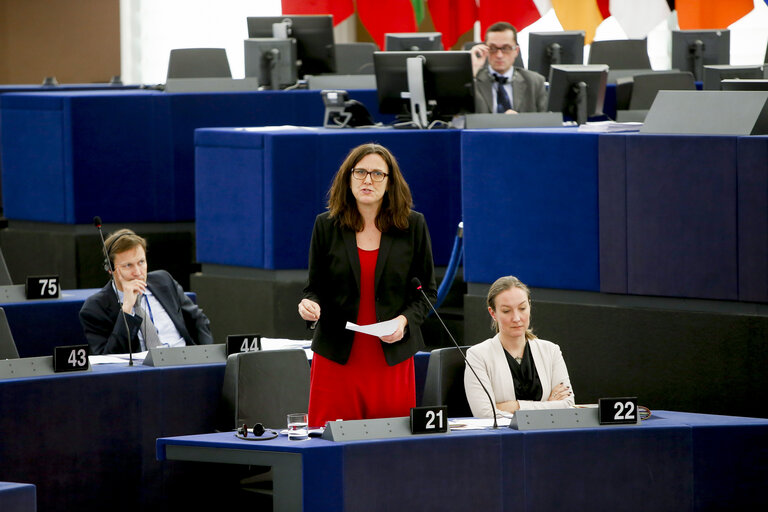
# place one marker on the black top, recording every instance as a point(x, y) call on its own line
point(525, 377)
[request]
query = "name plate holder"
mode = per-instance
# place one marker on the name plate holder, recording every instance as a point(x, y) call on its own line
point(557, 419)
point(358, 430)
point(26, 367)
point(183, 356)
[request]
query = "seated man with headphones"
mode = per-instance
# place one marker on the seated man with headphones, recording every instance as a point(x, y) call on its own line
point(149, 308)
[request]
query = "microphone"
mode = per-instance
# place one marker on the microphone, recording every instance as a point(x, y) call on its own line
point(97, 223)
point(417, 284)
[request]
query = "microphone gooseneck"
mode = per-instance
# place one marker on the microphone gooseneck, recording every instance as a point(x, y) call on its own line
point(417, 284)
point(97, 223)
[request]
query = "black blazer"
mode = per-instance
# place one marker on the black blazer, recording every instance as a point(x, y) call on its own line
point(104, 328)
point(334, 283)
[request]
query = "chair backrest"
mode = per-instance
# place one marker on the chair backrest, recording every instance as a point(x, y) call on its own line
point(646, 86)
point(265, 386)
point(199, 63)
point(354, 58)
point(444, 383)
point(7, 345)
point(621, 53)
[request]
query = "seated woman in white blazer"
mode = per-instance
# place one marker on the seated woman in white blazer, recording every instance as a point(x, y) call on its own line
point(519, 370)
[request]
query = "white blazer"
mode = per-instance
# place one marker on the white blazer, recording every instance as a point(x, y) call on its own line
point(490, 363)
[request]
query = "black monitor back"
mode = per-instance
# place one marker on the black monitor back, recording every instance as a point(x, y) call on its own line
point(745, 85)
point(198, 63)
point(263, 56)
point(646, 87)
point(716, 49)
point(539, 44)
point(562, 79)
point(715, 74)
point(621, 53)
point(354, 58)
point(448, 81)
point(413, 41)
point(314, 39)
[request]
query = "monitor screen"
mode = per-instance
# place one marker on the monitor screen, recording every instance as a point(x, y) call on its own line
point(693, 49)
point(715, 74)
point(547, 48)
point(448, 82)
point(745, 85)
point(413, 41)
point(314, 39)
point(577, 91)
point(272, 61)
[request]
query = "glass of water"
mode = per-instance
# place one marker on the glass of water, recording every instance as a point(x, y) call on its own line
point(297, 426)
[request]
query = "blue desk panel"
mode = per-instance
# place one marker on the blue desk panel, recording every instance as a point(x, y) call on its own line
point(17, 497)
point(667, 463)
point(530, 207)
point(753, 218)
point(259, 191)
point(68, 156)
point(669, 216)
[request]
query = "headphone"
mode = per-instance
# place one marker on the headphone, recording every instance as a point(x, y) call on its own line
point(107, 265)
point(258, 432)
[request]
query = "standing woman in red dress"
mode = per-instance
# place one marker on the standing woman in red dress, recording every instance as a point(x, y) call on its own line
point(365, 251)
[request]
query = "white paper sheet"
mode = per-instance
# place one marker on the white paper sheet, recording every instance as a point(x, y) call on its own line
point(379, 329)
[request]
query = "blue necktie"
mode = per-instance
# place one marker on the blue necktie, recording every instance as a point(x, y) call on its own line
point(502, 98)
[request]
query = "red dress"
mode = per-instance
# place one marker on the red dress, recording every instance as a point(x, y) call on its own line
point(366, 387)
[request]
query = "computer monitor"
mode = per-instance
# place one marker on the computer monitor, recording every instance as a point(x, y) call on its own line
point(620, 53)
point(744, 85)
point(547, 48)
point(441, 84)
point(413, 41)
point(272, 61)
point(578, 91)
point(313, 34)
point(714, 75)
point(693, 49)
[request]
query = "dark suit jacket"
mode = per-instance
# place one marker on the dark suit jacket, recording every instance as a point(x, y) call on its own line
point(105, 330)
point(529, 92)
point(334, 283)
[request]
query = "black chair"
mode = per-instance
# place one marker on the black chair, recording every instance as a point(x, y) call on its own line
point(354, 58)
point(646, 86)
point(199, 63)
point(444, 383)
point(264, 387)
point(7, 345)
point(620, 53)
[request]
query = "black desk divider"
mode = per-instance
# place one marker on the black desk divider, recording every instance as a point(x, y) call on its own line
point(708, 113)
point(543, 419)
point(182, 356)
point(356, 430)
point(522, 120)
point(26, 367)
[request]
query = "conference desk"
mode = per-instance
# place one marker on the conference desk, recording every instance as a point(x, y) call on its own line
point(673, 461)
point(63, 152)
point(259, 190)
point(630, 213)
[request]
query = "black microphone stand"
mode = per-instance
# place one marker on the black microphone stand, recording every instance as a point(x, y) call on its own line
point(415, 281)
point(97, 223)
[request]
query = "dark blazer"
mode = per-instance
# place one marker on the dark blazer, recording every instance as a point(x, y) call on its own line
point(529, 92)
point(334, 283)
point(105, 330)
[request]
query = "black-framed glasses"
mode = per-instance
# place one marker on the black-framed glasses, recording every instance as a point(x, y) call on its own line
point(506, 49)
point(360, 174)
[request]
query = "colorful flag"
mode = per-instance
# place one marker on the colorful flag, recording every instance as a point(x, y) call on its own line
point(452, 18)
point(639, 18)
point(698, 14)
point(519, 13)
point(340, 9)
point(583, 15)
point(379, 17)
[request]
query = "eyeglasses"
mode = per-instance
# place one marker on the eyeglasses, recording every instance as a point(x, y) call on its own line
point(361, 174)
point(506, 49)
